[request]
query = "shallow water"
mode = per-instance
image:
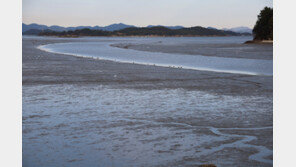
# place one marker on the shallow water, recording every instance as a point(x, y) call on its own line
point(103, 50)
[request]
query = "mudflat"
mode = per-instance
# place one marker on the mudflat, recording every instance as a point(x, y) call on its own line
point(41, 67)
point(85, 112)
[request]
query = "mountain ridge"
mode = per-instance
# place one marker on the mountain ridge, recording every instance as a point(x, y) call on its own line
point(111, 27)
point(116, 27)
point(140, 31)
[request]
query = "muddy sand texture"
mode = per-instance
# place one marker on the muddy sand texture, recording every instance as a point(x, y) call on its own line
point(53, 70)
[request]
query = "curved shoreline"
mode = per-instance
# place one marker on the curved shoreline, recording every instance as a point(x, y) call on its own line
point(189, 66)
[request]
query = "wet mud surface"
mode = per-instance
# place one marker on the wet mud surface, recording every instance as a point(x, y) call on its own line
point(85, 112)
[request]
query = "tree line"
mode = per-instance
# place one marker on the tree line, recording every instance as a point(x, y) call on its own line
point(263, 29)
point(144, 31)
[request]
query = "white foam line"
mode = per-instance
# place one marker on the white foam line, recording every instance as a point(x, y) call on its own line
point(43, 48)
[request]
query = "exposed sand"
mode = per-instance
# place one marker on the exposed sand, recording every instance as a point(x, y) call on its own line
point(258, 51)
point(239, 135)
point(259, 42)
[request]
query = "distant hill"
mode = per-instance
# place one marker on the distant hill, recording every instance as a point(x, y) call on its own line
point(164, 31)
point(239, 29)
point(170, 27)
point(35, 31)
point(112, 27)
point(144, 31)
point(115, 27)
point(26, 27)
point(235, 29)
point(212, 28)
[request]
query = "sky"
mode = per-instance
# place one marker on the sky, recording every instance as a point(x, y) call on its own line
point(206, 13)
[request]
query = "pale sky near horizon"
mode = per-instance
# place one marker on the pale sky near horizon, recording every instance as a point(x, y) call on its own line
point(214, 13)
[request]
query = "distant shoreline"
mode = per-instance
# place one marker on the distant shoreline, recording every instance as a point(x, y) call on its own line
point(74, 36)
point(259, 42)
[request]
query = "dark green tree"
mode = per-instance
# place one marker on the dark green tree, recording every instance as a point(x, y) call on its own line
point(263, 29)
